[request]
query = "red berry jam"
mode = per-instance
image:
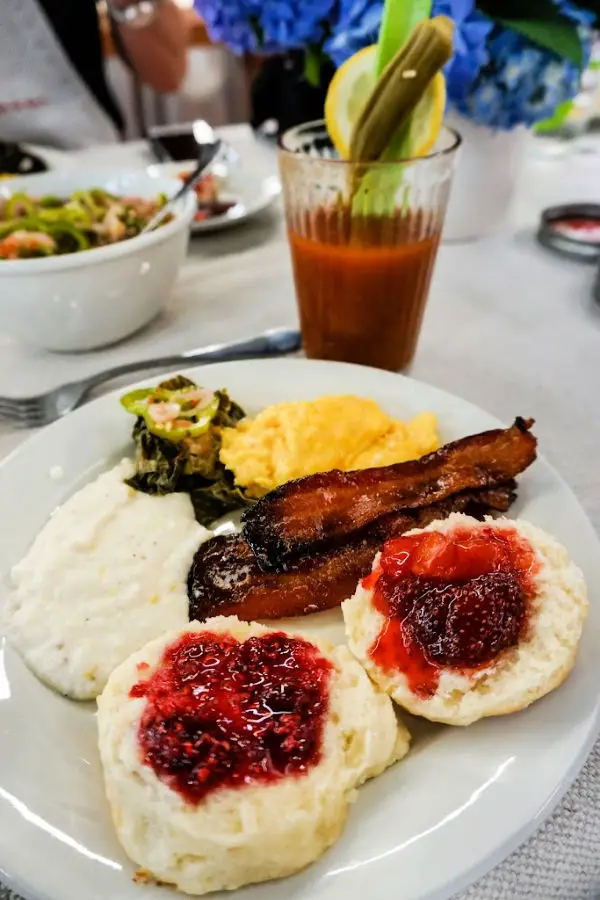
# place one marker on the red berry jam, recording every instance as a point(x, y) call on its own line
point(454, 600)
point(222, 713)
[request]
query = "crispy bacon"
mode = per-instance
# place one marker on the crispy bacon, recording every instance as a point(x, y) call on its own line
point(323, 511)
point(225, 578)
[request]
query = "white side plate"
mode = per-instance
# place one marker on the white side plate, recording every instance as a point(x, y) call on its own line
point(251, 192)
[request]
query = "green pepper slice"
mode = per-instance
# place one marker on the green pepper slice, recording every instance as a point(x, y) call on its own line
point(18, 206)
point(136, 401)
point(173, 414)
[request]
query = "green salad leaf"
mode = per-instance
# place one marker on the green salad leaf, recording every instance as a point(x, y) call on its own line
point(191, 465)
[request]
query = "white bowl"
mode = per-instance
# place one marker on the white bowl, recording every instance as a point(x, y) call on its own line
point(89, 299)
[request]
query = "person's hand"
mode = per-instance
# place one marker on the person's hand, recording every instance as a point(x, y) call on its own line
point(133, 13)
point(154, 40)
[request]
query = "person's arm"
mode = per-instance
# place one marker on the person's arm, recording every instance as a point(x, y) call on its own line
point(155, 45)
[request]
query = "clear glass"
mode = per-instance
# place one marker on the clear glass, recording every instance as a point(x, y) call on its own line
point(363, 241)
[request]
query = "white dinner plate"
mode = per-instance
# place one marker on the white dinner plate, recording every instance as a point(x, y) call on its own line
point(250, 191)
point(459, 803)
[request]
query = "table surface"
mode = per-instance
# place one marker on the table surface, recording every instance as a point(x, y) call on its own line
point(509, 327)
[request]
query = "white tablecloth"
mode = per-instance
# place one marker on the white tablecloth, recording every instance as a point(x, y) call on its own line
point(508, 326)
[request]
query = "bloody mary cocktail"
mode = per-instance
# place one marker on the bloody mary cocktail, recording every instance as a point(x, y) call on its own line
point(362, 275)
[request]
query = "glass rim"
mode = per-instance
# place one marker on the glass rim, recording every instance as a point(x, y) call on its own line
point(434, 154)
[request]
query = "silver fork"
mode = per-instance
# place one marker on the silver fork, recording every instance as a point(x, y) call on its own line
point(32, 412)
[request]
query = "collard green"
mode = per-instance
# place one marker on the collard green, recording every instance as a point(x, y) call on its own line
point(191, 466)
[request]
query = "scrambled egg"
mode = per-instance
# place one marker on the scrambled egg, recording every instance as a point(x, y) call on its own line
point(294, 439)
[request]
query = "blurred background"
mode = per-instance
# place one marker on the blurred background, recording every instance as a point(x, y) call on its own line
point(218, 86)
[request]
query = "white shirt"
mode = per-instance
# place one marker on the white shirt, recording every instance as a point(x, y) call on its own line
point(43, 99)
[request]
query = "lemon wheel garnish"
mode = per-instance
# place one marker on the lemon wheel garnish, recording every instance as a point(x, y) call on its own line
point(349, 90)
point(428, 117)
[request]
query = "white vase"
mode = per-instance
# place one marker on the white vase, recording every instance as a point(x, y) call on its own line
point(485, 179)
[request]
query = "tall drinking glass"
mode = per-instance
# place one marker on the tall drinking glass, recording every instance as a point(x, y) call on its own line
point(363, 240)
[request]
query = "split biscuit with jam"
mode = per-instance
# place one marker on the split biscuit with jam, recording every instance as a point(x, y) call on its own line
point(231, 751)
point(466, 619)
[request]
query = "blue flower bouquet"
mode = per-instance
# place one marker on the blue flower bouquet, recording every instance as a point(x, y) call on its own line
point(515, 66)
point(515, 61)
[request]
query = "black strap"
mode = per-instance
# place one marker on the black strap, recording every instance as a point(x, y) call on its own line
point(76, 25)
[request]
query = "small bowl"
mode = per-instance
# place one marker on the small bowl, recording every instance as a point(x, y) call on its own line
point(89, 299)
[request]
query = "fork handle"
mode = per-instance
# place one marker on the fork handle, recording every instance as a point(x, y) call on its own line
point(278, 342)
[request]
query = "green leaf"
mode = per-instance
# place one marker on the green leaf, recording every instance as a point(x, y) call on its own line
point(558, 37)
point(312, 67)
point(192, 466)
point(556, 121)
point(541, 22)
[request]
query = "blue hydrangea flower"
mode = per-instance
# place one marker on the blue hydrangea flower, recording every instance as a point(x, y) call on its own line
point(357, 26)
point(269, 25)
point(521, 85)
point(231, 22)
point(568, 9)
point(560, 82)
point(496, 76)
point(484, 103)
point(294, 24)
point(471, 30)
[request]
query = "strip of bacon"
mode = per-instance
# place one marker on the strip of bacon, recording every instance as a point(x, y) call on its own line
point(322, 511)
point(225, 578)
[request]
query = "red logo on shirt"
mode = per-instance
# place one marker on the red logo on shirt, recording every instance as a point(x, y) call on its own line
point(19, 105)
